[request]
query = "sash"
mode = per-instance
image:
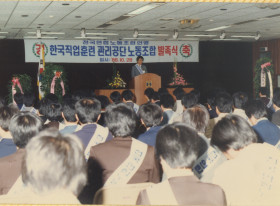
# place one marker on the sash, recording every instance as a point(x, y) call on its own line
point(130, 166)
point(161, 194)
point(278, 145)
point(100, 135)
point(139, 69)
point(17, 187)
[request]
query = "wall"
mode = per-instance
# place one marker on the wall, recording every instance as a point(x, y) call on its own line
point(222, 64)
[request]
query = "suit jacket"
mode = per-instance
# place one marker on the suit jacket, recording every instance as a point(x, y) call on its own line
point(188, 190)
point(10, 170)
point(212, 123)
point(135, 72)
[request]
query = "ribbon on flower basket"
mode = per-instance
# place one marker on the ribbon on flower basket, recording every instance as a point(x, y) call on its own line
point(263, 78)
point(56, 76)
point(16, 82)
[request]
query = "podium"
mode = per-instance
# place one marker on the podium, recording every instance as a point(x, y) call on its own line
point(142, 82)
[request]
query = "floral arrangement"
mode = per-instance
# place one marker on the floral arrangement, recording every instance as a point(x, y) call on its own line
point(116, 82)
point(178, 79)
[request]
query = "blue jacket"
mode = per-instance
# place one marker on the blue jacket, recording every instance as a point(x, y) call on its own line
point(149, 137)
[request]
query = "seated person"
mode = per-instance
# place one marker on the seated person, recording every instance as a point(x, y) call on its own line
point(178, 147)
point(23, 127)
point(88, 112)
point(116, 97)
point(268, 103)
point(224, 104)
point(53, 115)
point(266, 130)
point(151, 116)
point(28, 103)
point(178, 107)
point(18, 98)
point(53, 171)
point(210, 105)
point(166, 104)
point(155, 99)
point(251, 174)
point(7, 145)
point(69, 116)
point(104, 100)
point(127, 97)
point(240, 99)
point(149, 94)
point(196, 93)
point(276, 104)
point(210, 157)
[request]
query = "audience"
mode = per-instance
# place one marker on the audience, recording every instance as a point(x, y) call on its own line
point(23, 126)
point(251, 173)
point(177, 147)
point(151, 116)
point(276, 104)
point(69, 117)
point(149, 94)
point(167, 104)
point(266, 130)
point(116, 97)
point(240, 99)
point(178, 107)
point(127, 97)
point(104, 103)
point(28, 103)
point(156, 99)
point(53, 115)
point(18, 98)
point(211, 107)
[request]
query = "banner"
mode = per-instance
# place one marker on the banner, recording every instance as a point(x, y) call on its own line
point(105, 51)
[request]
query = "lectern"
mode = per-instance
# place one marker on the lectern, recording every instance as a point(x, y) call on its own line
point(142, 82)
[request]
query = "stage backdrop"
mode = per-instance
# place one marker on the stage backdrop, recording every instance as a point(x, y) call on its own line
point(97, 51)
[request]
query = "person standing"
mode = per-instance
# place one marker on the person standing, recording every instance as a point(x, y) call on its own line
point(138, 68)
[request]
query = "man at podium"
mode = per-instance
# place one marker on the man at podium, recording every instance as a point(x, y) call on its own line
point(138, 68)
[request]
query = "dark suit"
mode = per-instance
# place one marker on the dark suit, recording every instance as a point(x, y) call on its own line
point(276, 118)
point(135, 71)
point(188, 190)
point(10, 170)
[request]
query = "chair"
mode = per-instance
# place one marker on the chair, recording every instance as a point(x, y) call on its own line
point(122, 195)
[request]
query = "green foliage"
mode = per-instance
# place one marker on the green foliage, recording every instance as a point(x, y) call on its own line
point(47, 77)
point(25, 82)
point(258, 69)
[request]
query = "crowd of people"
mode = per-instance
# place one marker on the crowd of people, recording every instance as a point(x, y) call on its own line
point(224, 151)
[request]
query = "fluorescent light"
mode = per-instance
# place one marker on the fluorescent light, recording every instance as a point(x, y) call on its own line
point(92, 37)
point(219, 28)
point(201, 35)
point(4, 32)
point(43, 37)
point(226, 39)
point(153, 34)
point(105, 34)
point(46, 32)
point(2, 37)
point(144, 9)
point(184, 39)
point(237, 36)
point(130, 38)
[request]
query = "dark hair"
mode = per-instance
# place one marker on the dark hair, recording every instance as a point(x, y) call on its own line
point(28, 99)
point(255, 108)
point(196, 92)
point(263, 90)
point(120, 119)
point(276, 98)
point(83, 94)
point(69, 111)
point(88, 110)
point(116, 97)
point(18, 97)
point(179, 145)
point(179, 93)
point(139, 57)
point(6, 114)
point(240, 99)
point(2, 102)
point(167, 101)
point(189, 100)
point(155, 96)
point(54, 112)
point(196, 117)
point(52, 98)
point(104, 100)
point(162, 91)
point(67, 97)
point(151, 114)
point(211, 100)
point(43, 106)
point(23, 127)
point(149, 92)
point(127, 95)
point(224, 102)
point(232, 132)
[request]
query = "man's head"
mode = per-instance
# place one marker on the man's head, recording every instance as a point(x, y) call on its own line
point(140, 60)
point(263, 91)
point(120, 119)
point(28, 99)
point(166, 101)
point(196, 117)
point(150, 114)
point(178, 145)
point(54, 112)
point(240, 99)
point(149, 93)
point(255, 110)
point(53, 162)
point(223, 102)
point(24, 126)
point(179, 93)
point(18, 97)
point(6, 114)
point(88, 110)
point(104, 100)
point(127, 95)
point(69, 111)
point(116, 97)
point(232, 134)
point(189, 100)
point(276, 100)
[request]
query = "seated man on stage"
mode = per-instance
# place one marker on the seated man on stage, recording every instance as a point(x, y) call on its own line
point(138, 68)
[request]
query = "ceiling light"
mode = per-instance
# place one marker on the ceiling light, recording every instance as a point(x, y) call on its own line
point(2, 37)
point(135, 34)
point(145, 8)
point(258, 36)
point(129, 38)
point(211, 20)
point(186, 39)
point(51, 16)
point(47, 32)
point(201, 35)
point(166, 19)
point(226, 39)
point(25, 15)
point(153, 34)
point(4, 32)
point(78, 17)
point(91, 37)
point(105, 34)
point(242, 36)
point(42, 37)
point(219, 28)
point(223, 35)
point(163, 27)
point(176, 34)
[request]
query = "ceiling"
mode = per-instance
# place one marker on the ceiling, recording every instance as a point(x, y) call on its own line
point(243, 19)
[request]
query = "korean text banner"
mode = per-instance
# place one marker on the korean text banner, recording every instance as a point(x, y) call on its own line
point(97, 51)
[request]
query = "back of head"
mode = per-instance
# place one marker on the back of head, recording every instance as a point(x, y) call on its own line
point(233, 132)
point(28, 99)
point(149, 92)
point(155, 96)
point(151, 114)
point(43, 106)
point(162, 91)
point(179, 145)
point(167, 101)
point(18, 97)
point(6, 114)
point(263, 91)
point(179, 93)
point(24, 126)
point(120, 119)
point(196, 92)
point(54, 162)
point(127, 95)
point(276, 98)
point(189, 100)
point(255, 108)
point(240, 99)
point(69, 111)
point(116, 97)
point(196, 117)
point(52, 98)
point(88, 110)
point(223, 102)
point(54, 112)
point(104, 100)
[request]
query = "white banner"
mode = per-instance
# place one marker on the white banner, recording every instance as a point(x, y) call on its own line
point(105, 51)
